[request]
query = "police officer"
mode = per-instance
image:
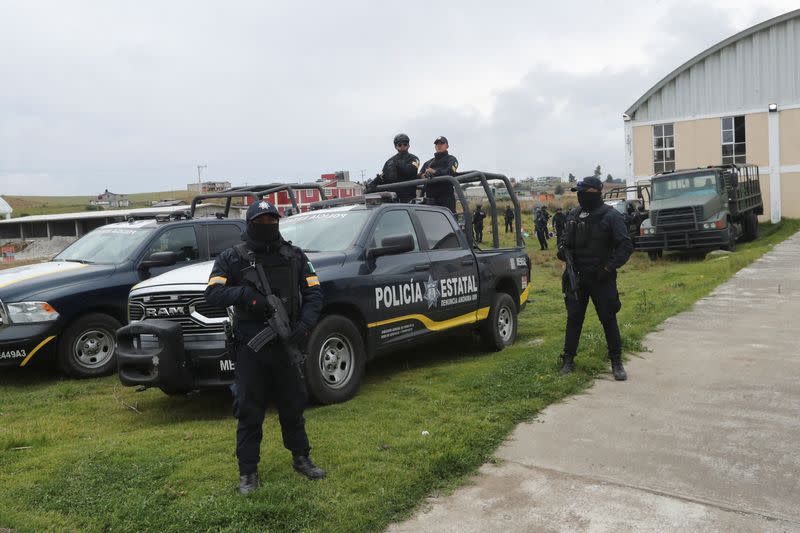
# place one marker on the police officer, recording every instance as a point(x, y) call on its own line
point(477, 222)
point(598, 242)
point(540, 224)
point(509, 219)
point(442, 164)
point(271, 372)
point(403, 166)
point(559, 221)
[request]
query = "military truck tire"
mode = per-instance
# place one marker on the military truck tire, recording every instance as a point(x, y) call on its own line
point(500, 327)
point(86, 348)
point(731, 245)
point(750, 224)
point(655, 254)
point(336, 360)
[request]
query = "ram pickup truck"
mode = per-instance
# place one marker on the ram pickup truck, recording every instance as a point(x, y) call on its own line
point(71, 307)
point(392, 274)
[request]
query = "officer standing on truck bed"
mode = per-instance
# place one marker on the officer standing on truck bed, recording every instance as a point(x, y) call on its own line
point(596, 243)
point(442, 164)
point(272, 371)
point(403, 166)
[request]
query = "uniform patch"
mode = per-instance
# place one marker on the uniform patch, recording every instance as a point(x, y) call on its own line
point(311, 268)
point(218, 280)
point(312, 281)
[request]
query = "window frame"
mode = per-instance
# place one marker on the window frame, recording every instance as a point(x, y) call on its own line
point(149, 245)
point(736, 157)
point(416, 230)
point(456, 230)
point(666, 165)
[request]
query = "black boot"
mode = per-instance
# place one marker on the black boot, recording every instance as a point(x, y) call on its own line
point(303, 464)
point(248, 483)
point(618, 370)
point(567, 363)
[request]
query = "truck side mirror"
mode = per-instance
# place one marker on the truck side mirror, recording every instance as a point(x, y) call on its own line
point(159, 259)
point(396, 244)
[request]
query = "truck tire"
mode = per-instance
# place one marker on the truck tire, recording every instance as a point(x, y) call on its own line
point(87, 347)
point(731, 243)
point(750, 224)
point(500, 327)
point(336, 360)
point(654, 255)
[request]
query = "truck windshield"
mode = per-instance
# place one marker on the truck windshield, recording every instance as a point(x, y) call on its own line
point(691, 184)
point(105, 245)
point(322, 231)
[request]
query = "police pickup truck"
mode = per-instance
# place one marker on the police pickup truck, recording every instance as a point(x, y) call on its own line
point(392, 274)
point(70, 307)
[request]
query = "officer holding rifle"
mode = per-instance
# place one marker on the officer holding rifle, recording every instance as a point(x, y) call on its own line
point(277, 301)
point(595, 244)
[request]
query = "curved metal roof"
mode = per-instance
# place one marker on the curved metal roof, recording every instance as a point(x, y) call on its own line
point(707, 53)
point(4, 207)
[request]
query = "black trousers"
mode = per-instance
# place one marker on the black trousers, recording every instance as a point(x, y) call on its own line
point(406, 195)
point(542, 235)
point(509, 225)
point(445, 200)
point(606, 302)
point(260, 377)
point(479, 233)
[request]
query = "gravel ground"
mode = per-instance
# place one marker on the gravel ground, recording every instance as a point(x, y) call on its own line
point(42, 248)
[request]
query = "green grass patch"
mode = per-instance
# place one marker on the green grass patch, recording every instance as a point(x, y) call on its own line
point(92, 455)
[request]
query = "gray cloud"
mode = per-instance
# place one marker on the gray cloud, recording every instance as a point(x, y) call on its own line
point(130, 96)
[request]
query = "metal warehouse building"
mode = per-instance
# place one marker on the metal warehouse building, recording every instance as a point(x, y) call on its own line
point(737, 102)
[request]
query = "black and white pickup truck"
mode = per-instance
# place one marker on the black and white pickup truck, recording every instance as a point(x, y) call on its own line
point(70, 307)
point(392, 274)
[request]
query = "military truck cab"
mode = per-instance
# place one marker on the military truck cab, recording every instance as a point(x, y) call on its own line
point(702, 209)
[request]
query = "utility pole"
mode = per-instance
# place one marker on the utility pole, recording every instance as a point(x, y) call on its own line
point(363, 173)
point(199, 180)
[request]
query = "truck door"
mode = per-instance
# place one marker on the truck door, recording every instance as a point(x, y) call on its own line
point(397, 298)
point(454, 274)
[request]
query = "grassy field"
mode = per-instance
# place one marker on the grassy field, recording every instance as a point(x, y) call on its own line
point(90, 455)
point(47, 205)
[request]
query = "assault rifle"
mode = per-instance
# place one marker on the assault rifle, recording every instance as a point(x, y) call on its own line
point(572, 275)
point(277, 320)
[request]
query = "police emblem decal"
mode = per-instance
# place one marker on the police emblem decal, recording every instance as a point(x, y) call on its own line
point(431, 292)
point(264, 205)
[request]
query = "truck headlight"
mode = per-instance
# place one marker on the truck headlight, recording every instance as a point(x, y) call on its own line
point(30, 312)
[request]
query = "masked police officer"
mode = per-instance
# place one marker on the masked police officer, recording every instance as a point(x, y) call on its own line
point(442, 164)
point(596, 243)
point(477, 222)
point(403, 166)
point(272, 371)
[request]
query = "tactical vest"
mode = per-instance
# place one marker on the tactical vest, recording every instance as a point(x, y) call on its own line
point(281, 269)
point(589, 240)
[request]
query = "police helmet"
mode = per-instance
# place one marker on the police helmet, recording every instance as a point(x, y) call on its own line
point(401, 138)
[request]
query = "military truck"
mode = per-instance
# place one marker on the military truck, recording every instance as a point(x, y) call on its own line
point(633, 203)
point(702, 209)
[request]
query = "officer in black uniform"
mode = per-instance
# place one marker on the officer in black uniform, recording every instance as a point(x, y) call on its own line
point(403, 166)
point(477, 222)
point(509, 220)
point(442, 164)
point(598, 241)
point(271, 372)
point(559, 221)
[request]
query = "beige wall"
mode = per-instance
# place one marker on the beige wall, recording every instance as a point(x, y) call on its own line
point(757, 139)
point(698, 143)
point(643, 151)
point(790, 136)
point(790, 195)
point(765, 198)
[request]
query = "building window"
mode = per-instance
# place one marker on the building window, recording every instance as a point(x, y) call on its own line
point(733, 145)
point(663, 147)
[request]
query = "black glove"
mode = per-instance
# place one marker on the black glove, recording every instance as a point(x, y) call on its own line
point(606, 273)
point(253, 301)
point(299, 336)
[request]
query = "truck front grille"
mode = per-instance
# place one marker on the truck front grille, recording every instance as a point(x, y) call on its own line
point(191, 310)
point(677, 218)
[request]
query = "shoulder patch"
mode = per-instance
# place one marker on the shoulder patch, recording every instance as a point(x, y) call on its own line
point(310, 268)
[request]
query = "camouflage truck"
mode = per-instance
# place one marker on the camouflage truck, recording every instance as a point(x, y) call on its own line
point(702, 209)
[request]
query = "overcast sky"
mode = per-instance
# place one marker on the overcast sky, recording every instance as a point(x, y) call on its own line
point(131, 96)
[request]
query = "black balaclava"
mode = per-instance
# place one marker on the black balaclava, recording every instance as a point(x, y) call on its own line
point(590, 200)
point(263, 235)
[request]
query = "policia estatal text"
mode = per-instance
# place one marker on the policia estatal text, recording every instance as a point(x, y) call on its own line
point(273, 371)
point(596, 243)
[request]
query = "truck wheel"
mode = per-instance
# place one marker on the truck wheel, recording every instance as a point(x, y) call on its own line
point(751, 227)
point(86, 348)
point(336, 360)
point(731, 243)
point(500, 327)
point(655, 254)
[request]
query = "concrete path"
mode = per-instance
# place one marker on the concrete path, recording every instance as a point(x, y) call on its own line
point(705, 435)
